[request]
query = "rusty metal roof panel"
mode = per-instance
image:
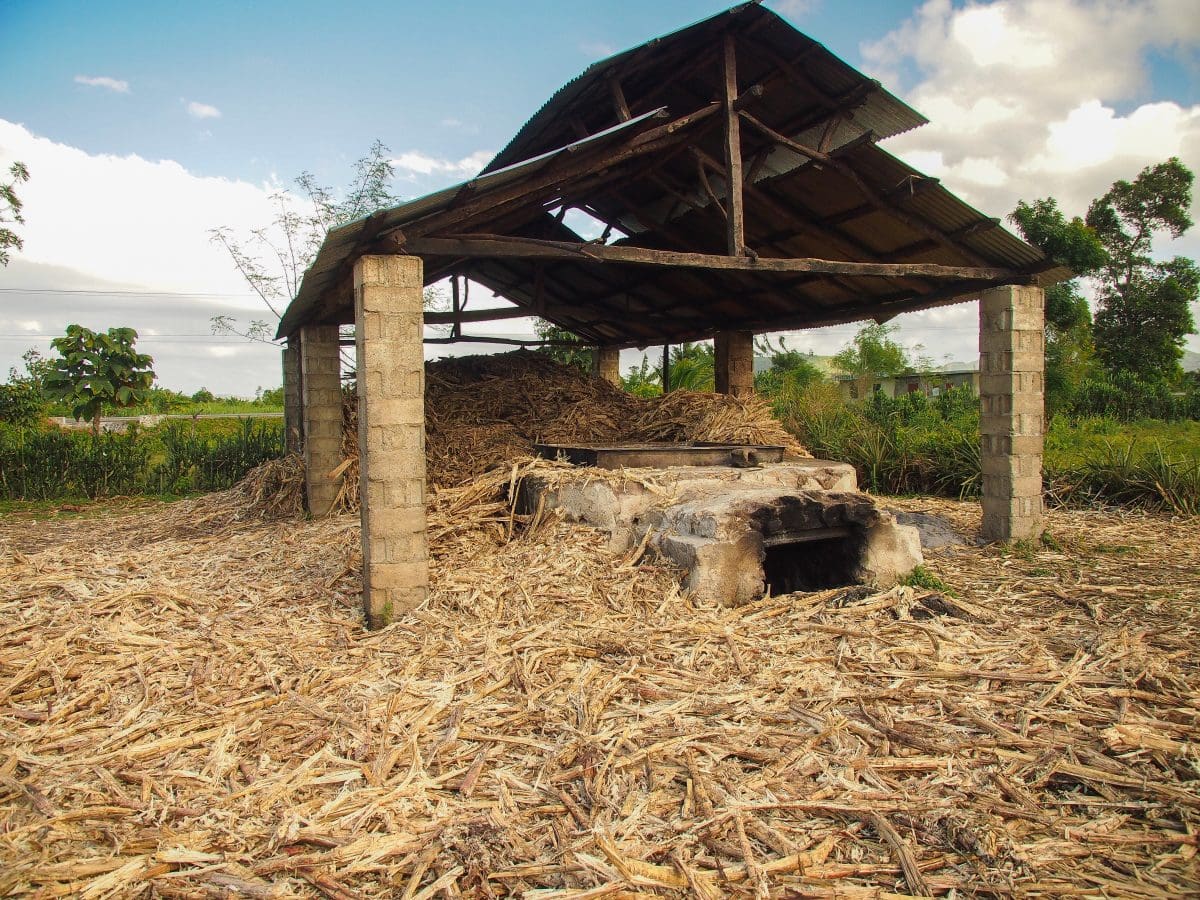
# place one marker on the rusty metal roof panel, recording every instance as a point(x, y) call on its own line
point(771, 45)
point(341, 242)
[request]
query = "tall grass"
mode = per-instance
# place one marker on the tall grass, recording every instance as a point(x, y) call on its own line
point(910, 444)
point(920, 444)
point(51, 464)
point(1124, 473)
point(48, 465)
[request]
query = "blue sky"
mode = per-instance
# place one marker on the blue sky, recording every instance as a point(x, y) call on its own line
point(145, 124)
point(308, 85)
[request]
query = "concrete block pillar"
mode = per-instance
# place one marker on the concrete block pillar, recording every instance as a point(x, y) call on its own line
point(734, 352)
point(1011, 364)
point(606, 364)
point(321, 398)
point(389, 321)
point(293, 412)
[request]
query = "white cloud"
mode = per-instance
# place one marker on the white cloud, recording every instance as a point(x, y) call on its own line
point(597, 49)
point(128, 220)
point(104, 81)
point(1023, 95)
point(202, 111)
point(1039, 98)
point(418, 163)
point(794, 9)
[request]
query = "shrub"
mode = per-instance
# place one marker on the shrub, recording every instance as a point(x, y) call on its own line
point(21, 403)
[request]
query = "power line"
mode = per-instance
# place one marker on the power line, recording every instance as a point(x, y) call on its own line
point(120, 293)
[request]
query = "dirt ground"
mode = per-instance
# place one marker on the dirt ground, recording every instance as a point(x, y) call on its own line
point(189, 706)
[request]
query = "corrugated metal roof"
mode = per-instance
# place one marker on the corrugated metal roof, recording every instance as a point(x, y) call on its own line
point(340, 243)
point(865, 205)
point(660, 60)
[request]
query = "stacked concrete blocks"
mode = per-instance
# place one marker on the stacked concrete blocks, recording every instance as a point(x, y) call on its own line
point(389, 321)
point(606, 364)
point(321, 393)
point(734, 362)
point(1011, 367)
point(293, 412)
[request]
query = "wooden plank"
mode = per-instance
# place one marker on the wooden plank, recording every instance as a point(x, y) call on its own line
point(496, 246)
point(735, 215)
point(557, 173)
point(618, 98)
point(476, 315)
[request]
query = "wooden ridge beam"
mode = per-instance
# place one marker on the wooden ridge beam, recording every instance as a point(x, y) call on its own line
point(495, 246)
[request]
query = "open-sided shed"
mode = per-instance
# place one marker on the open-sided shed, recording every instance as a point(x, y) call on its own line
point(734, 169)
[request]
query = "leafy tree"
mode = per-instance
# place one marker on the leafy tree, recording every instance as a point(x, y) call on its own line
point(23, 397)
point(644, 380)
point(1144, 306)
point(1070, 352)
point(789, 368)
point(873, 354)
point(693, 367)
point(10, 210)
point(204, 395)
point(98, 370)
point(580, 357)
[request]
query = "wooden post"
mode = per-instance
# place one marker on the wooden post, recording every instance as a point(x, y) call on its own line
point(666, 369)
point(388, 320)
point(734, 214)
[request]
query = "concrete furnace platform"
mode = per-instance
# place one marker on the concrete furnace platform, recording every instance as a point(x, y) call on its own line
point(796, 525)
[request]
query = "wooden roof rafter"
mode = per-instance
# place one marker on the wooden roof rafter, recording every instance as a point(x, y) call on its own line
point(749, 207)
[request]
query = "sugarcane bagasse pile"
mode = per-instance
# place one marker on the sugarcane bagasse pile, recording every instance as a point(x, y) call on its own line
point(190, 707)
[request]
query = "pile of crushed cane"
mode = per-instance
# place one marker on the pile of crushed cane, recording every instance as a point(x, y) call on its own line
point(191, 707)
point(481, 411)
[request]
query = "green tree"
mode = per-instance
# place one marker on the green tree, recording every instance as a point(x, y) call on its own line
point(693, 367)
point(98, 370)
point(1070, 351)
point(873, 354)
point(579, 356)
point(10, 210)
point(644, 380)
point(1144, 306)
point(789, 368)
point(23, 397)
point(273, 259)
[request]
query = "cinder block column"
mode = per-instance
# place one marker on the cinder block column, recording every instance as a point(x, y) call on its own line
point(389, 319)
point(321, 398)
point(734, 352)
point(1011, 364)
point(293, 413)
point(606, 364)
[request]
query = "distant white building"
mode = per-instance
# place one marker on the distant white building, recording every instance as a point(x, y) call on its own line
point(930, 383)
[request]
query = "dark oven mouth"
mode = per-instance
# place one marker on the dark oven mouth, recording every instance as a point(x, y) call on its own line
point(812, 560)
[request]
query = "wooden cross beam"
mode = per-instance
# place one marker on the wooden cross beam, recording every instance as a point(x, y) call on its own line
point(496, 246)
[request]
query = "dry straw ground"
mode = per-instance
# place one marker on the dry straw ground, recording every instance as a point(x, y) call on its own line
point(190, 707)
